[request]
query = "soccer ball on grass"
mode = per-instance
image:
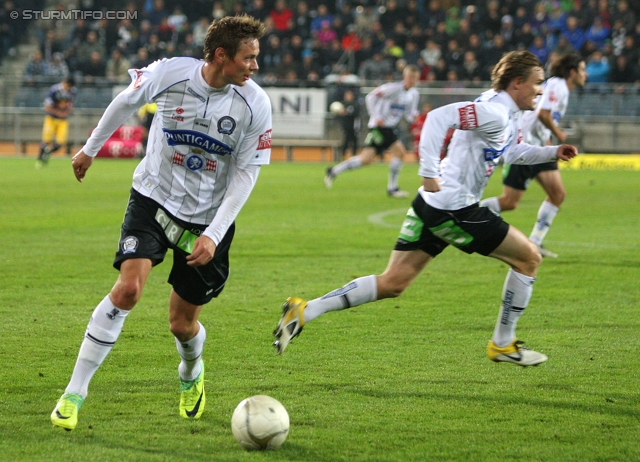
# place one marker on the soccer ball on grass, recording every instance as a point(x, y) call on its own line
point(260, 422)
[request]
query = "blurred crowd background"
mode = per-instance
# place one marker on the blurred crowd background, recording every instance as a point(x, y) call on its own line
point(309, 42)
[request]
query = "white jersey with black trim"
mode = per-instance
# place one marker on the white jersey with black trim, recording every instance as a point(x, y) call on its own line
point(555, 99)
point(470, 138)
point(390, 102)
point(199, 137)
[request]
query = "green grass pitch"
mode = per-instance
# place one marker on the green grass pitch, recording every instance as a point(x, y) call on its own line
point(398, 380)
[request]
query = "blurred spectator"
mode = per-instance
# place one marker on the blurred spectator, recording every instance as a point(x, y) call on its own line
point(326, 34)
point(88, 47)
point(523, 38)
point(440, 70)
point(142, 59)
point(598, 68)
point(322, 14)
point(57, 68)
point(453, 21)
point(454, 54)
point(157, 13)
point(155, 47)
point(574, 33)
point(36, 68)
point(470, 69)
point(189, 47)
point(563, 47)
point(391, 15)
point(625, 14)
point(588, 49)
point(200, 31)
point(378, 36)
point(492, 20)
point(351, 41)
point(540, 19)
point(556, 18)
point(604, 13)
point(630, 51)
point(392, 50)
point(286, 65)
point(177, 20)
point(431, 53)
point(539, 49)
point(164, 31)
point(94, 69)
point(411, 52)
point(365, 16)
point(302, 21)
point(622, 71)
point(597, 32)
point(127, 36)
point(375, 68)
point(618, 34)
point(435, 15)
point(117, 69)
point(50, 45)
point(258, 10)
point(282, 17)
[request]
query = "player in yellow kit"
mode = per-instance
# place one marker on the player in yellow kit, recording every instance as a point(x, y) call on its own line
point(55, 130)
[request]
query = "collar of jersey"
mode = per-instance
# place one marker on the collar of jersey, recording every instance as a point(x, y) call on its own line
point(204, 85)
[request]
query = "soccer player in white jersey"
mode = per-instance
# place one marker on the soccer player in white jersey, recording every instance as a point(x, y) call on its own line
point(568, 72)
point(387, 105)
point(471, 137)
point(210, 134)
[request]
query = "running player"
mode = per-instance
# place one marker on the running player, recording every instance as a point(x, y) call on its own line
point(568, 72)
point(473, 137)
point(211, 134)
point(387, 105)
point(55, 129)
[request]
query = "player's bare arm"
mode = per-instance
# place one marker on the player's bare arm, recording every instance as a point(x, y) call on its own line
point(81, 163)
point(547, 120)
point(203, 250)
point(566, 152)
point(431, 184)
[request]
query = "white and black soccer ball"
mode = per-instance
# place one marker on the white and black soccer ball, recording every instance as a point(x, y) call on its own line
point(260, 422)
point(336, 108)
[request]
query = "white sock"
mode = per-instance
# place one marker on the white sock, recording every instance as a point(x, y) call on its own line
point(350, 164)
point(546, 214)
point(102, 332)
point(492, 203)
point(516, 294)
point(190, 352)
point(357, 292)
point(395, 165)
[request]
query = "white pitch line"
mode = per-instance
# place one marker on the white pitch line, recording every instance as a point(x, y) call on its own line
point(379, 218)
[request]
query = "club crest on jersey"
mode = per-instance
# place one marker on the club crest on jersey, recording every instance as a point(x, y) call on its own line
point(196, 140)
point(129, 244)
point(226, 125)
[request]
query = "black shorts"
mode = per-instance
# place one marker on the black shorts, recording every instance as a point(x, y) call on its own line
point(471, 229)
point(380, 139)
point(519, 176)
point(148, 230)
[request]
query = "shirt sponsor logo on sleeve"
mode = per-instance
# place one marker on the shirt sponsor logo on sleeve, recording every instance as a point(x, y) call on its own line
point(264, 142)
point(468, 117)
point(138, 81)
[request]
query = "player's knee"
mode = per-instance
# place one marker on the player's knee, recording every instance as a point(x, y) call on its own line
point(532, 261)
point(557, 198)
point(181, 329)
point(508, 203)
point(126, 294)
point(389, 287)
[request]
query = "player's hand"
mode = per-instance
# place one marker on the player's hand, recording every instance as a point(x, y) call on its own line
point(431, 184)
point(380, 123)
point(566, 152)
point(81, 163)
point(203, 250)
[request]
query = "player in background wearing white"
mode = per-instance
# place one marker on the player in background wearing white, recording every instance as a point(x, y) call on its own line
point(387, 105)
point(568, 72)
point(209, 137)
point(473, 137)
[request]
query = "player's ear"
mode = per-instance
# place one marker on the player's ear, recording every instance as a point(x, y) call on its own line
point(220, 55)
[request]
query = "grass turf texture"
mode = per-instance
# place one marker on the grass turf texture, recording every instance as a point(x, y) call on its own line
point(403, 379)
